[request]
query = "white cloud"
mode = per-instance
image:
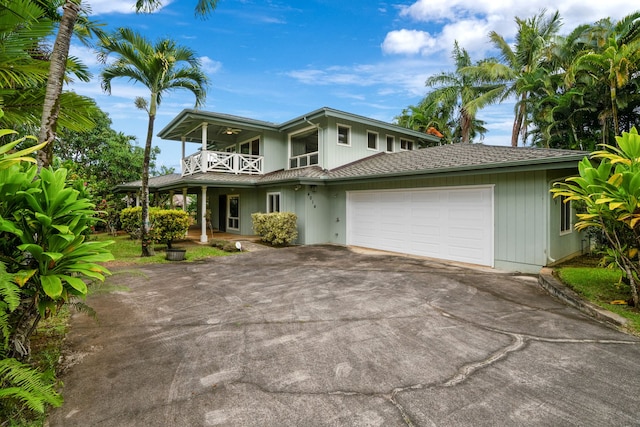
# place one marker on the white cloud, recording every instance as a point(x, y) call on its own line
point(99, 7)
point(408, 42)
point(210, 66)
point(87, 55)
point(469, 22)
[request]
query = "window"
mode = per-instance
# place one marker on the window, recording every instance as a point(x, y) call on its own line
point(344, 135)
point(405, 144)
point(372, 140)
point(230, 149)
point(391, 141)
point(304, 148)
point(565, 215)
point(273, 202)
point(251, 147)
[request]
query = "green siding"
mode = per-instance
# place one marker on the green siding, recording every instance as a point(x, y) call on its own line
point(521, 216)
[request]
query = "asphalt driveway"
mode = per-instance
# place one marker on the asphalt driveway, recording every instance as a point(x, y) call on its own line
point(323, 336)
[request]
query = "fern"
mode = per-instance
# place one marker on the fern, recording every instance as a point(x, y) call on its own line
point(25, 384)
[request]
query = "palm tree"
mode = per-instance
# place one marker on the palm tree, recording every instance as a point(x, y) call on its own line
point(462, 93)
point(58, 63)
point(24, 69)
point(517, 63)
point(613, 59)
point(161, 67)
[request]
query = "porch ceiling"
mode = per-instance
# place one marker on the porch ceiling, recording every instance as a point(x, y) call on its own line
point(222, 128)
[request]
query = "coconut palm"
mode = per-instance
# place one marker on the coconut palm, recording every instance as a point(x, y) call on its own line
point(462, 93)
point(516, 63)
point(70, 15)
point(24, 69)
point(612, 59)
point(161, 67)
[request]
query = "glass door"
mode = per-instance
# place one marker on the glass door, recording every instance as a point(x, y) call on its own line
point(233, 212)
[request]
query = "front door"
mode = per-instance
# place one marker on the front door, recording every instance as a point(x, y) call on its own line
point(233, 213)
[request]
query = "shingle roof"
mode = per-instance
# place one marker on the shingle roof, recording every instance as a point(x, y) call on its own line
point(452, 157)
point(440, 159)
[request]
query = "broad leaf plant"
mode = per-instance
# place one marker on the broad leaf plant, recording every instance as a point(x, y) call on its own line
point(608, 186)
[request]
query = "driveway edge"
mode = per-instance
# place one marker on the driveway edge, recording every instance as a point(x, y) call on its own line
point(556, 288)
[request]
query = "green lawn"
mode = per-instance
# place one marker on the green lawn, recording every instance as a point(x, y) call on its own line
point(126, 250)
point(601, 286)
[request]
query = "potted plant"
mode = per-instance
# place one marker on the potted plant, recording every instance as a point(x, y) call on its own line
point(169, 225)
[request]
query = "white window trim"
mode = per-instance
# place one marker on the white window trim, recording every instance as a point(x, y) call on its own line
point(269, 206)
point(409, 141)
point(563, 207)
point(386, 143)
point(248, 142)
point(290, 150)
point(229, 197)
point(338, 126)
point(377, 147)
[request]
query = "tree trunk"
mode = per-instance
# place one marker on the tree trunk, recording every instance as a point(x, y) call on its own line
point(465, 126)
point(614, 109)
point(147, 242)
point(57, 69)
point(517, 123)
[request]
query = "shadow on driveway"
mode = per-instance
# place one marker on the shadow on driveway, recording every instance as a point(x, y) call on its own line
point(323, 336)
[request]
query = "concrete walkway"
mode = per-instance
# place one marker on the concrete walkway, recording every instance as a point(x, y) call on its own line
point(323, 336)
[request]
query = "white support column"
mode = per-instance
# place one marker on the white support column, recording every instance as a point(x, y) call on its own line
point(203, 157)
point(203, 215)
point(137, 199)
point(184, 199)
point(171, 194)
point(184, 140)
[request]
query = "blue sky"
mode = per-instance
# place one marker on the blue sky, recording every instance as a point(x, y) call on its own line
point(274, 60)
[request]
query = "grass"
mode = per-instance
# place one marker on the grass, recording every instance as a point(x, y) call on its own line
point(127, 251)
point(601, 286)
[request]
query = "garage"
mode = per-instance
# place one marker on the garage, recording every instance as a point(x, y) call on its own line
point(451, 223)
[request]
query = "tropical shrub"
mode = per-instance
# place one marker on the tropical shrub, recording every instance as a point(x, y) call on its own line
point(610, 193)
point(169, 224)
point(41, 242)
point(166, 224)
point(130, 221)
point(43, 226)
point(19, 382)
point(277, 228)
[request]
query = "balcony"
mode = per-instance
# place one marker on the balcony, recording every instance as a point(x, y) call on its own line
point(217, 161)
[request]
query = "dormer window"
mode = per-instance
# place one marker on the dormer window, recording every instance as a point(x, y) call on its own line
point(303, 147)
point(344, 135)
point(406, 144)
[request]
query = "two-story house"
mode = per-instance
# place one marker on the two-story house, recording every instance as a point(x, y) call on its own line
point(357, 181)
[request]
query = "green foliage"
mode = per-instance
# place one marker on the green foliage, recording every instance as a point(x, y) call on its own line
point(166, 224)
point(130, 221)
point(101, 157)
point(610, 193)
point(169, 224)
point(277, 228)
point(571, 91)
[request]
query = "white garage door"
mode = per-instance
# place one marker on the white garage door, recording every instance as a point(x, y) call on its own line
point(454, 223)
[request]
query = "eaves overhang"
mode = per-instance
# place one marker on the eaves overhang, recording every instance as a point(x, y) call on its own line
point(342, 115)
point(566, 162)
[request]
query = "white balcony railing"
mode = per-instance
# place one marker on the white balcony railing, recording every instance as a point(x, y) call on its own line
point(218, 161)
